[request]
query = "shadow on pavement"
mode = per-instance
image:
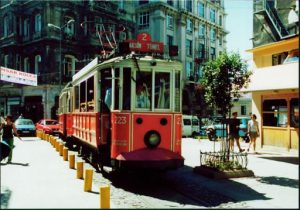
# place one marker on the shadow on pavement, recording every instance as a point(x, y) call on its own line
point(4, 200)
point(199, 189)
point(292, 160)
point(13, 163)
point(282, 181)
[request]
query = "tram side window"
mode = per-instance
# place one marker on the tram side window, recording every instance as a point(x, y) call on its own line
point(295, 112)
point(143, 90)
point(76, 98)
point(275, 113)
point(90, 95)
point(162, 90)
point(177, 91)
point(126, 88)
point(82, 91)
point(117, 88)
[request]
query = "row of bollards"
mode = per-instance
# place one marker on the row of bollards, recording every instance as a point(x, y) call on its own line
point(88, 175)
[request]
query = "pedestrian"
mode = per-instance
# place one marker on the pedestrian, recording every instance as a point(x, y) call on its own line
point(8, 129)
point(253, 131)
point(233, 131)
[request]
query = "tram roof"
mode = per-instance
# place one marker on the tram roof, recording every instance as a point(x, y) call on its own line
point(89, 67)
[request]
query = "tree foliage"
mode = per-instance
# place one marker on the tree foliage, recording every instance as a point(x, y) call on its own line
point(222, 79)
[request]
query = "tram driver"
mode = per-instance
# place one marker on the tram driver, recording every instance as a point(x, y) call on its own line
point(142, 96)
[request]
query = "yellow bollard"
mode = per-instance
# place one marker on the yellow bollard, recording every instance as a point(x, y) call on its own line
point(88, 180)
point(65, 153)
point(79, 173)
point(105, 197)
point(46, 137)
point(72, 161)
point(57, 146)
point(61, 149)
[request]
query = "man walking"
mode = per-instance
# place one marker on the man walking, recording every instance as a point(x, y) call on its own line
point(233, 131)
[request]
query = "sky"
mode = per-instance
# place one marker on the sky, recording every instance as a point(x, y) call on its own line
point(239, 25)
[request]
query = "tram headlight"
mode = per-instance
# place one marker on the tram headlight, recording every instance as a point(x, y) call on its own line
point(152, 139)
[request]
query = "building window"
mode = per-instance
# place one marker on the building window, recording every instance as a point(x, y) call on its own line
point(169, 40)
point(201, 30)
point(200, 9)
point(189, 46)
point(213, 53)
point(212, 15)
point(141, 2)
point(243, 110)
point(69, 65)
point(69, 28)
point(201, 50)
point(188, 69)
point(37, 63)
point(5, 60)
point(212, 35)
point(170, 22)
point(144, 20)
point(220, 41)
point(18, 62)
point(170, 2)
point(37, 23)
point(220, 20)
point(188, 5)
point(278, 59)
point(26, 27)
point(275, 113)
point(189, 25)
point(26, 64)
point(294, 112)
point(5, 26)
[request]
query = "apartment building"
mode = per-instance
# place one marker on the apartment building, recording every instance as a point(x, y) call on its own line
point(54, 39)
point(275, 80)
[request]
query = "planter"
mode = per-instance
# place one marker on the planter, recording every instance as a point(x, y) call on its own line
point(216, 174)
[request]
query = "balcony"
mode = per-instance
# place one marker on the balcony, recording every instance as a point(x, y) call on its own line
point(280, 77)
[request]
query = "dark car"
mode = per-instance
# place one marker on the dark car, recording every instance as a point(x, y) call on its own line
point(25, 127)
point(48, 126)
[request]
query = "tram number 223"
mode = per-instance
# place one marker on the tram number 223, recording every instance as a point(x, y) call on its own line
point(119, 120)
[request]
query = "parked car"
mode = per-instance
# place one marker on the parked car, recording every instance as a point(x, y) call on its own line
point(25, 127)
point(190, 126)
point(217, 125)
point(49, 126)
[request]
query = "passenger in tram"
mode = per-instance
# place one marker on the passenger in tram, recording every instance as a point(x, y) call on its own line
point(142, 96)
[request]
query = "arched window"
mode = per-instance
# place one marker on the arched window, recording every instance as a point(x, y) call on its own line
point(5, 26)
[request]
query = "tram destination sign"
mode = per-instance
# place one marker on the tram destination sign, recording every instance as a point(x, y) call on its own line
point(20, 77)
point(144, 44)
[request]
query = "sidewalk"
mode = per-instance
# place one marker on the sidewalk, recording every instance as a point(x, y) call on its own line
point(39, 178)
point(276, 181)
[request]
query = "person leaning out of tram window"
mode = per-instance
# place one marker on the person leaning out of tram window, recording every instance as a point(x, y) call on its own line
point(142, 96)
point(8, 128)
point(253, 131)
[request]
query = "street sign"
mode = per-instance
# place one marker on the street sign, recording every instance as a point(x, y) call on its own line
point(144, 44)
point(20, 77)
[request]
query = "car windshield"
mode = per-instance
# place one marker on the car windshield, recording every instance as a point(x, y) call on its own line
point(24, 122)
point(186, 122)
point(50, 122)
point(195, 122)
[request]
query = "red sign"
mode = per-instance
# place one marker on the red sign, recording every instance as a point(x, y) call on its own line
point(144, 44)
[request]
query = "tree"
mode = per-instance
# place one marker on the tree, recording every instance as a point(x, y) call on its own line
point(222, 79)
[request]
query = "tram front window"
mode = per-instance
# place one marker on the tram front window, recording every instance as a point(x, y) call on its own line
point(162, 90)
point(143, 90)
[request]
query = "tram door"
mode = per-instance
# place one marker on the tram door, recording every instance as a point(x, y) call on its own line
point(105, 107)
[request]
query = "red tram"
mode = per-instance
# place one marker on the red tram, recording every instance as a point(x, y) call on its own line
point(125, 112)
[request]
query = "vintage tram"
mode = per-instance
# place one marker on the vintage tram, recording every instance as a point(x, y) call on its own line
point(125, 112)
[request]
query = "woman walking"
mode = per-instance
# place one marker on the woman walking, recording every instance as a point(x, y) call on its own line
point(253, 131)
point(9, 128)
